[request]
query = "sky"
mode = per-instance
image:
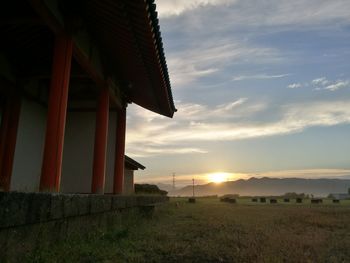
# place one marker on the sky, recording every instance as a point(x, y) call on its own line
point(262, 88)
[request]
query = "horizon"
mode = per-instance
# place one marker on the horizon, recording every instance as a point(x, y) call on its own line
point(260, 87)
point(265, 186)
point(205, 178)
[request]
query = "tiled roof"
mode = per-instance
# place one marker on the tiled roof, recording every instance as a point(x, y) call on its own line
point(129, 36)
point(133, 164)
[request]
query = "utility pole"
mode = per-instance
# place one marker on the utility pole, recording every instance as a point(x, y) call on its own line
point(192, 199)
point(173, 181)
point(193, 187)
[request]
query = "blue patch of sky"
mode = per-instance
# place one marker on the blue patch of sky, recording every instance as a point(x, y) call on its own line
point(303, 52)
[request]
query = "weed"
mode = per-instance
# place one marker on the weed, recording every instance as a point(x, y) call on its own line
point(213, 231)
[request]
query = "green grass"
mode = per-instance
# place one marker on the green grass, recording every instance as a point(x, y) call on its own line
point(214, 231)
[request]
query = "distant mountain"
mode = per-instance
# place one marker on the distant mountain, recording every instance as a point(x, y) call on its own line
point(269, 186)
point(166, 187)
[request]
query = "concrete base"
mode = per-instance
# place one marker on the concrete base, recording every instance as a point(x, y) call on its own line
point(32, 220)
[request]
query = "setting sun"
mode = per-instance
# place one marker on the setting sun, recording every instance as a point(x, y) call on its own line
point(218, 177)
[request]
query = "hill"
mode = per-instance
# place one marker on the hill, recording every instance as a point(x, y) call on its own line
point(269, 186)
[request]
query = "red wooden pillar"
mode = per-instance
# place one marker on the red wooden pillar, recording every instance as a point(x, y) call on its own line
point(8, 138)
point(101, 133)
point(56, 116)
point(119, 153)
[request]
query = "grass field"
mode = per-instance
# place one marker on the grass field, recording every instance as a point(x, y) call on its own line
point(214, 231)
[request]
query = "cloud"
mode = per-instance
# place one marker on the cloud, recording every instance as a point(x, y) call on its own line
point(151, 151)
point(193, 63)
point(320, 81)
point(213, 37)
point(238, 13)
point(337, 85)
point(294, 86)
point(226, 122)
point(260, 76)
point(176, 7)
point(197, 114)
point(325, 84)
point(231, 105)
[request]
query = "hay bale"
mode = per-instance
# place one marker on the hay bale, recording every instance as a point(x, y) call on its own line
point(192, 200)
point(273, 201)
point(299, 200)
point(231, 200)
point(228, 199)
point(286, 200)
point(224, 199)
point(316, 201)
point(262, 200)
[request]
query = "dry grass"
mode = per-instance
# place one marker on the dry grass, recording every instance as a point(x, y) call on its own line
point(213, 231)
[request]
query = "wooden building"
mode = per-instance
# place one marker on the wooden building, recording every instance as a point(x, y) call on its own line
point(68, 69)
point(130, 166)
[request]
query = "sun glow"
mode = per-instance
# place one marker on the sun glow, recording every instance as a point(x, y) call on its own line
point(218, 177)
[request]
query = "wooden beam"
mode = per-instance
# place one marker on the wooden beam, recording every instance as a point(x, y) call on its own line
point(49, 75)
point(55, 22)
point(36, 99)
point(6, 71)
point(89, 109)
point(21, 21)
point(86, 53)
point(89, 58)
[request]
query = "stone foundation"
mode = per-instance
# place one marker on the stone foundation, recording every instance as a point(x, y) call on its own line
point(32, 220)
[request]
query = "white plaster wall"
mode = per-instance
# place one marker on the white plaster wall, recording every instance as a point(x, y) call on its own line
point(128, 181)
point(78, 152)
point(29, 147)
